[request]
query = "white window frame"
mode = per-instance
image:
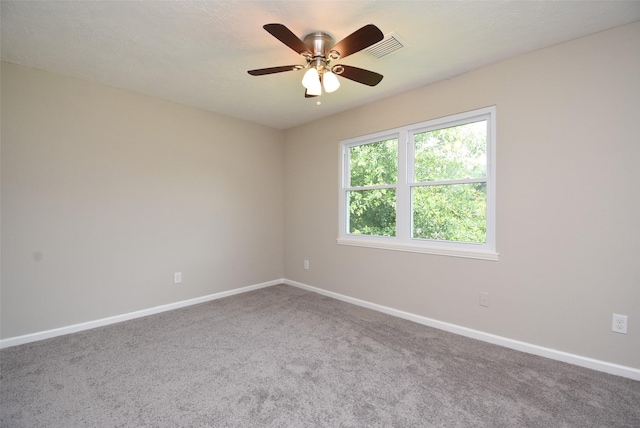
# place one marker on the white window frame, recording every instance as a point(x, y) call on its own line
point(403, 240)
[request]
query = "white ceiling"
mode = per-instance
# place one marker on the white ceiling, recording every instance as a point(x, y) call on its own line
point(198, 52)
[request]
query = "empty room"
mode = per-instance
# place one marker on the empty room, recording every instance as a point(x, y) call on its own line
point(320, 213)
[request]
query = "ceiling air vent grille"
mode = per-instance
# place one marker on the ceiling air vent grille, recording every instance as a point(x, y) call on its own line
point(389, 44)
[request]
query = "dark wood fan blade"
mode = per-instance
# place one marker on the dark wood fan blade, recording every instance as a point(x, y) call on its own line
point(358, 40)
point(306, 94)
point(271, 70)
point(285, 35)
point(360, 75)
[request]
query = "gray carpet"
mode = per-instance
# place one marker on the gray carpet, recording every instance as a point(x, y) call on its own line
point(285, 357)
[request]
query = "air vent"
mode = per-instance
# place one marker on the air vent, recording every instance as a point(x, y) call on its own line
point(389, 44)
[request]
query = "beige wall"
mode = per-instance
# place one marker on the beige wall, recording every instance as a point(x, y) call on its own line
point(106, 193)
point(568, 202)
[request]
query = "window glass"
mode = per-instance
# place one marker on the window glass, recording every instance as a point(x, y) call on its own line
point(372, 212)
point(374, 163)
point(455, 212)
point(451, 153)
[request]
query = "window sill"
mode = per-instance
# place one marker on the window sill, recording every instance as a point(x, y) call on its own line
point(441, 251)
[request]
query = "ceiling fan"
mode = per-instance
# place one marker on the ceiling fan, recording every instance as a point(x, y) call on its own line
point(318, 50)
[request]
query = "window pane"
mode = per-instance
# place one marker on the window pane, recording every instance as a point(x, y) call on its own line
point(451, 153)
point(374, 164)
point(372, 212)
point(454, 212)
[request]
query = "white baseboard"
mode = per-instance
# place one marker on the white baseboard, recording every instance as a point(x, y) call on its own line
point(603, 366)
point(19, 340)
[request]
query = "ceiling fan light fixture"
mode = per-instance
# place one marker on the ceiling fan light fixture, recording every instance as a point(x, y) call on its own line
point(311, 78)
point(315, 88)
point(330, 82)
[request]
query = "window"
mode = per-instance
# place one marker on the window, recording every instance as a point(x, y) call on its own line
point(427, 187)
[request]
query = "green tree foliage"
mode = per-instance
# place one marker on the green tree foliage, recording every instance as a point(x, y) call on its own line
point(374, 164)
point(451, 153)
point(441, 210)
point(373, 211)
point(451, 212)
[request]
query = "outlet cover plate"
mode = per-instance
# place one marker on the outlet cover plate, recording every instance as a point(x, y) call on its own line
point(619, 324)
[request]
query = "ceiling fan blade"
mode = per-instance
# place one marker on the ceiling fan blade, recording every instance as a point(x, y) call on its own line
point(271, 70)
point(360, 75)
point(306, 94)
point(285, 35)
point(358, 40)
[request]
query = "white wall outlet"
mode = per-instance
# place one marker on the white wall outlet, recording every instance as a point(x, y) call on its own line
point(177, 277)
point(306, 264)
point(619, 323)
point(484, 299)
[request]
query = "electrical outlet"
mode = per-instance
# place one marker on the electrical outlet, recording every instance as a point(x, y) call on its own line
point(619, 323)
point(177, 277)
point(306, 264)
point(484, 299)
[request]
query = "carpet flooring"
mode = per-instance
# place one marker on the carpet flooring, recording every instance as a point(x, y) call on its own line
point(285, 357)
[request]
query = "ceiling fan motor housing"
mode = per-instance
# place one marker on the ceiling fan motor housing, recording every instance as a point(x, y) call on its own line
point(318, 43)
